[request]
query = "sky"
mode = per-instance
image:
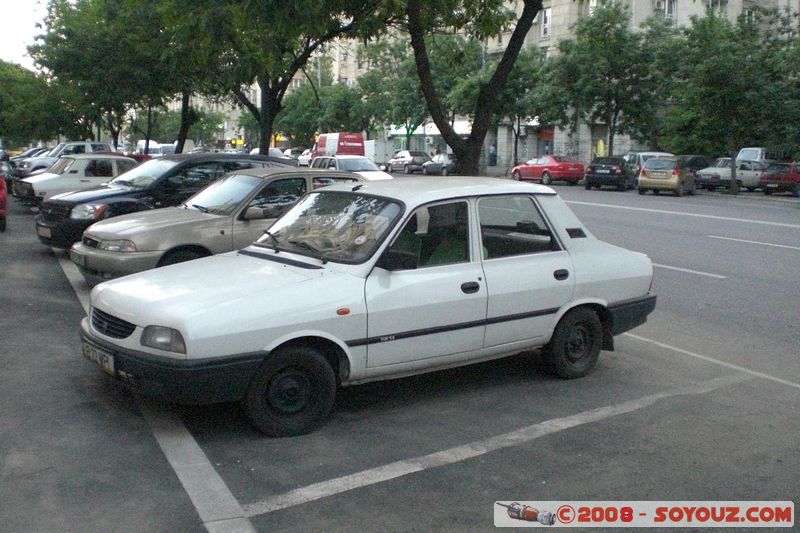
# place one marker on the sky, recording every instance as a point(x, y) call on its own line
point(18, 29)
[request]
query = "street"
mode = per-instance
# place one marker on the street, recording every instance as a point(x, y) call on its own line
point(699, 403)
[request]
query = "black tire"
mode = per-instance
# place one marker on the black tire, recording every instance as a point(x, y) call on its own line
point(767, 191)
point(642, 191)
point(179, 256)
point(711, 188)
point(622, 185)
point(292, 392)
point(796, 190)
point(516, 175)
point(546, 179)
point(406, 169)
point(679, 190)
point(693, 189)
point(575, 347)
point(2, 224)
point(751, 189)
point(656, 192)
point(587, 185)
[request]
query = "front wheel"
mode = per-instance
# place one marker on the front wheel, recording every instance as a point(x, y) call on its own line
point(179, 256)
point(546, 179)
point(575, 347)
point(516, 175)
point(407, 169)
point(292, 393)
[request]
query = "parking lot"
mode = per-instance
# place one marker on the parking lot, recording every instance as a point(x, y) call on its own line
point(699, 403)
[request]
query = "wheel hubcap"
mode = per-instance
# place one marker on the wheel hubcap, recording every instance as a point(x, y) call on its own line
point(578, 343)
point(289, 391)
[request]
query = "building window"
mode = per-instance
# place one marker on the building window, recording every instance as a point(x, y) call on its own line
point(716, 5)
point(546, 14)
point(668, 7)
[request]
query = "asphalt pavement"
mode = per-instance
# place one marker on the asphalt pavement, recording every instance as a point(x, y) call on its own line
point(699, 403)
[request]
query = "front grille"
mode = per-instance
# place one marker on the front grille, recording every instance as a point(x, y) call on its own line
point(55, 212)
point(90, 242)
point(110, 325)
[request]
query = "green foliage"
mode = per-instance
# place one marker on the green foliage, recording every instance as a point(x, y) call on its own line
point(166, 124)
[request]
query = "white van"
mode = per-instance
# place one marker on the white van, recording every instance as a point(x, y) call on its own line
point(756, 153)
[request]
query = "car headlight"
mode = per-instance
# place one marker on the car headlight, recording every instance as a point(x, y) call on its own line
point(117, 246)
point(163, 338)
point(88, 211)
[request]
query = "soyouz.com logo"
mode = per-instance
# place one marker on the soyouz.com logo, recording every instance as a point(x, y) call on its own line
point(640, 514)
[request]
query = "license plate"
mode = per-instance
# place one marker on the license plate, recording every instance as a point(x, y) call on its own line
point(44, 232)
point(601, 171)
point(99, 356)
point(78, 259)
point(573, 168)
point(772, 185)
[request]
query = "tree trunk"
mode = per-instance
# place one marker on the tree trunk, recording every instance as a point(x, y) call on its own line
point(467, 151)
point(186, 120)
point(268, 112)
point(149, 131)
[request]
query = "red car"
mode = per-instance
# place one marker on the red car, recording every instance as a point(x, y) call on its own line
point(781, 177)
point(549, 168)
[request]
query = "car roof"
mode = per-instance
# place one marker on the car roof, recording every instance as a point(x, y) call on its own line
point(345, 156)
point(221, 156)
point(422, 189)
point(271, 172)
point(100, 155)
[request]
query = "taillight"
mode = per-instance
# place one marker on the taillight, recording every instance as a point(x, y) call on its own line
point(676, 172)
point(589, 169)
point(638, 168)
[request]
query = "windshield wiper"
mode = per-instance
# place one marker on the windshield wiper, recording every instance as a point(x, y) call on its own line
point(309, 247)
point(200, 208)
point(273, 239)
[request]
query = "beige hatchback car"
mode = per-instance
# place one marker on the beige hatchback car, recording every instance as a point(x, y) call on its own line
point(666, 174)
point(229, 214)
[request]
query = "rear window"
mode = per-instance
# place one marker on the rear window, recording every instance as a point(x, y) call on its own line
point(660, 164)
point(419, 154)
point(778, 169)
point(607, 161)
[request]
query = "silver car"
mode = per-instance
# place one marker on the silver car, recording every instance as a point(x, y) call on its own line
point(229, 214)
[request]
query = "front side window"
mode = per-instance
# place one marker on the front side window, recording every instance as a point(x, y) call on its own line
point(222, 197)
point(338, 226)
point(512, 225)
point(435, 235)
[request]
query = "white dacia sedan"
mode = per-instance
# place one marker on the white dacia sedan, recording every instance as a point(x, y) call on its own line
point(366, 282)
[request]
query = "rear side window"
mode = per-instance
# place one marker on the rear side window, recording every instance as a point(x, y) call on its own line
point(101, 168)
point(512, 225)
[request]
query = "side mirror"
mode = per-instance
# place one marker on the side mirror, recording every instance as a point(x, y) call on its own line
point(392, 260)
point(253, 213)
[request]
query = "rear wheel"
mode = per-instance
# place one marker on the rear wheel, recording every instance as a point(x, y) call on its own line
point(576, 343)
point(516, 175)
point(546, 179)
point(292, 393)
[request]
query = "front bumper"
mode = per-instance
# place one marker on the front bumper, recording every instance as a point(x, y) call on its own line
point(101, 265)
point(60, 234)
point(184, 381)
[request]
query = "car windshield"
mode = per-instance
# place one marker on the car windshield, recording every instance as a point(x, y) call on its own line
point(660, 164)
point(223, 196)
point(145, 174)
point(723, 162)
point(62, 165)
point(55, 151)
point(345, 227)
point(357, 164)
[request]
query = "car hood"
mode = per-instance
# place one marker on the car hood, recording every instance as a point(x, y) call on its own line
point(374, 174)
point(37, 161)
point(38, 178)
point(227, 294)
point(97, 194)
point(715, 170)
point(133, 224)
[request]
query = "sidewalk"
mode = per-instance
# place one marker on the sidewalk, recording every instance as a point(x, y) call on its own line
point(496, 172)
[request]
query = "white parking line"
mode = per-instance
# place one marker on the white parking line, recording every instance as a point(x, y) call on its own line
point(473, 449)
point(717, 276)
point(683, 214)
point(755, 242)
point(213, 501)
point(706, 358)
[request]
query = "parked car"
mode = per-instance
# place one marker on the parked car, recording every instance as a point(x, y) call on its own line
point(72, 173)
point(693, 163)
point(665, 174)
point(608, 171)
point(549, 168)
point(409, 161)
point(6, 173)
point(30, 152)
point(34, 164)
point(304, 159)
point(294, 153)
point(443, 164)
point(366, 283)
point(635, 160)
point(781, 177)
point(272, 152)
point(748, 174)
point(229, 214)
point(3, 204)
point(359, 164)
point(161, 182)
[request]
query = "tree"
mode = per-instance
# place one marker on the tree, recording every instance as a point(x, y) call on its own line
point(269, 43)
point(478, 19)
point(600, 75)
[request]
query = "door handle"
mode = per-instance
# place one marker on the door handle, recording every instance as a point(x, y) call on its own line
point(561, 274)
point(470, 287)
